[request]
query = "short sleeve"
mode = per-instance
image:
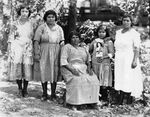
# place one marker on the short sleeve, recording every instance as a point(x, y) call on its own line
point(64, 55)
point(38, 33)
point(62, 34)
point(136, 39)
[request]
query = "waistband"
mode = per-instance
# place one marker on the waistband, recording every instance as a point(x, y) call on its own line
point(49, 42)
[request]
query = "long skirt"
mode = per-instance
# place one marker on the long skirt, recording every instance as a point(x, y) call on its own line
point(20, 71)
point(83, 89)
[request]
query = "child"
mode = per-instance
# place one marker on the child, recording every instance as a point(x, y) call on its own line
point(102, 50)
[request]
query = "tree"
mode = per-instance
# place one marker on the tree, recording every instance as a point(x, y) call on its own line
point(72, 18)
point(1, 8)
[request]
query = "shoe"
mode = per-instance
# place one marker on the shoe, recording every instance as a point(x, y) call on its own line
point(19, 94)
point(96, 107)
point(24, 93)
point(74, 108)
point(53, 97)
point(44, 98)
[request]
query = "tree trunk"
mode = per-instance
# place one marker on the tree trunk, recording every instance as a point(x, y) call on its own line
point(72, 19)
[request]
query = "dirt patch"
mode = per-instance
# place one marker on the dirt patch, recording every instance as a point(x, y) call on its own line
point(12, 106)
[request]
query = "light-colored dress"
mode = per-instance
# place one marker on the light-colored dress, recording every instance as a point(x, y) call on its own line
point(145, 64)
point(102, 69)
point(126, 78)
point(83, 89)
point(49, 40)
point(21, 52)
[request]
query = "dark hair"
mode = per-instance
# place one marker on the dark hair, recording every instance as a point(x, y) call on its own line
point(48, 13)
point(23, 7)
point(126, 15)
point(101, 27)
point(72, 33)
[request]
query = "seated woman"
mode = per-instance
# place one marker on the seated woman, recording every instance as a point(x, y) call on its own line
point(82, 85)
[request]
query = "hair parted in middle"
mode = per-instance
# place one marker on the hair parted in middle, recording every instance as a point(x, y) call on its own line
point(127, 15)
point(52, 12)
point(72, 33)
point(102, 27)
point(23, 7)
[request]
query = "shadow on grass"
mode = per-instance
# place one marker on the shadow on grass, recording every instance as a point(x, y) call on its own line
point(34, 90)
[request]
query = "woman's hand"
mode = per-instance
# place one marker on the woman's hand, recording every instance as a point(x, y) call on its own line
point(136, 55)
point(37, 57)
point(75, 72)
point(89, 71)
point(72, 70)
point(99, 59)
point(134, 64)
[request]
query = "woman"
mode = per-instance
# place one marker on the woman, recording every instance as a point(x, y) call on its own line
point(49, 37)
point(82, 85)
point(128, 78)
point(20, 50)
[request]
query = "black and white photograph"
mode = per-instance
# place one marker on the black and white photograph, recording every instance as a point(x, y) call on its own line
point(74, 58)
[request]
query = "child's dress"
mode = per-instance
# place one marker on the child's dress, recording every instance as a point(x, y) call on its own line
point(21, 52)
point(101, 61)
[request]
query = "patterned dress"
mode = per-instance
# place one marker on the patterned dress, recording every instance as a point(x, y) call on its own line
point(145, 63)
point(83, 89)
point(103, 68)
point(49, 40)
point(21, 52)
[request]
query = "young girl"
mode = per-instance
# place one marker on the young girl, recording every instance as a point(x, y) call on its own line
point(102, 50)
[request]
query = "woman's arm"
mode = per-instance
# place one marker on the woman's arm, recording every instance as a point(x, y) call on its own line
point(89, 63)
point(110, 49)
point(37, 55)
point(37, 40)
point(11, 35)
point(72, 69)
point(91, 47)
point(65, 54)
point(89, 68)
point(135, 57)
point(136, 46)
point(62, 39)
point(36, 47)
